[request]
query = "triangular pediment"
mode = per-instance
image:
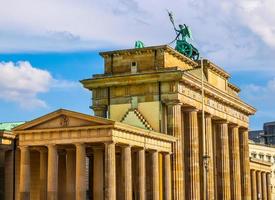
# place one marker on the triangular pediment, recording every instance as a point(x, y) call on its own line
point(135, 118)
point(63, 119)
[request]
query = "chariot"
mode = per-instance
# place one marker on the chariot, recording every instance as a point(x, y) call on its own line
point(183, 44)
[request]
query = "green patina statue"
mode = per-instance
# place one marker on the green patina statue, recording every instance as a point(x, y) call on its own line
point(139, 44)
point(183, 45)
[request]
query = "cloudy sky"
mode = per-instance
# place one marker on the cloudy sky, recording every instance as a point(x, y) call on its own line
point(47, 46)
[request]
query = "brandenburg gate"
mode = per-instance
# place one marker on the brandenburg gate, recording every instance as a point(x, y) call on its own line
point(145, 140)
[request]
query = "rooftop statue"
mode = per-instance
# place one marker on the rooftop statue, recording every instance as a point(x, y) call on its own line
point(183, 36)
point(139, 44)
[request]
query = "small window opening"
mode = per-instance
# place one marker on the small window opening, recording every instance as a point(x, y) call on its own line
point(134, 67)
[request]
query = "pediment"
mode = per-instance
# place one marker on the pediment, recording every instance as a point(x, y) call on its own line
point(63, 119)
point(135, 118)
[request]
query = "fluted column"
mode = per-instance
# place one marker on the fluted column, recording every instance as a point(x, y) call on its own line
point(253, 185)
point(43, 174)
point(127, 172)
point(245, 165)
point(98, 174)
point(223, 161)
point(167, 177)
point(52, 184)
point(80, 185)
point(24, 187)
point(174, 128)
point(100, 111)
point(269, 194)
point(70, 174)
point(192, 189)
point(210, 154)
point(141, 174)
point(264, 188)
point(259, 184)
point(235, 163)
point(155, 166)
point(110, 171)
point(62, 175)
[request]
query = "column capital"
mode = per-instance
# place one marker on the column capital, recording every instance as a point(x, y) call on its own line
point(166, 153)
point(77, 144)
point(172, 102)
point(153, 150)
point(243, 129)
point(208, 115)
point(109, 142)
point(98, 107)
point(23, 147)
point(190, 109)
point(125, 145)
point(221, 121)
point(232, 125)
point(50, 145)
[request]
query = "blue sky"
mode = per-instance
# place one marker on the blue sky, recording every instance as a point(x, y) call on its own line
point(46, 47)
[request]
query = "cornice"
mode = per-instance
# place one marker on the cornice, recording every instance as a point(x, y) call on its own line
point(127, 79)
point(218, 94)
point(144, 132)
point(234, 87)
point(175, 75)
point(150, 49)
point(216, 69)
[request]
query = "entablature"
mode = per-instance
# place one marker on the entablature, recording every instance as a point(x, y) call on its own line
point(260, 165)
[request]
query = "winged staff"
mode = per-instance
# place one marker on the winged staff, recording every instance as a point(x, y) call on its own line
point(182, 45)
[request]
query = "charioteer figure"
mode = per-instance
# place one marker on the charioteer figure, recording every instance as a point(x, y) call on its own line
point(183, 35)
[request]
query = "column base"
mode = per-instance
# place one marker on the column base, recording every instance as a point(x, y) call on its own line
point(52, 196)
point(81, 195)
point(24, 196)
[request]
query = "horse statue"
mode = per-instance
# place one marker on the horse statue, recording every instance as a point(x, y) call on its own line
point(183, 35)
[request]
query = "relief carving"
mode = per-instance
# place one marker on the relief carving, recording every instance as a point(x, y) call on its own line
point(64, 121)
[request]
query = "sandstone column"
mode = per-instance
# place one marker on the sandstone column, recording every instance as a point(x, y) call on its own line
point(43, 174)
point(174, 128)
point(193, 174)
point(264, 188)
point(210, 153)
point(223, 161)
point(269, 194)
point(110, 171)
point(235, 163)
point(98, 173)
point(8, 170)
point(25, 173)
point(127, 172)
point(141, 174)
point(253, 185)
point(259, 185)
point(167, 177)
point(155, 166)
point(70, 174)
point(100, 111)
point(80, 183)
point(52, 184)
point(62, 175)
point(245, 164)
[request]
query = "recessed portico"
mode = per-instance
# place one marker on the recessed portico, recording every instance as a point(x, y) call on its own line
point(88, 149)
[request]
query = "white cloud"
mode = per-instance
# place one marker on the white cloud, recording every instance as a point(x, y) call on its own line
point(242, 30)
point(22, 83)
point(262, 97)
point(259, 16)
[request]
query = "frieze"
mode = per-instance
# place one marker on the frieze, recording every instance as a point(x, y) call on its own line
point(92, 136)
point(183, 89)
